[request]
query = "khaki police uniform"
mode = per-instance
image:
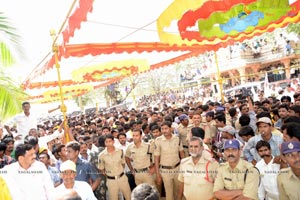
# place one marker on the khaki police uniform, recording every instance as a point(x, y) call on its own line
point(212, 128)
point(113, 164)
point(235, 179)
point(154, 175)
point(209, 129)
point(206, 127)
point(288, 185)
point(183, 132)
point(142, 160)
point(168, 150)
point(198, 178)
point(207, 152)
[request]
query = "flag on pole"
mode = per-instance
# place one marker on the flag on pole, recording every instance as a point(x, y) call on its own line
point(255, 96)
point(266, 86)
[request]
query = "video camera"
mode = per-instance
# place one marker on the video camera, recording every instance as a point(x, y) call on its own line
point(243, 93)
point(217, 147)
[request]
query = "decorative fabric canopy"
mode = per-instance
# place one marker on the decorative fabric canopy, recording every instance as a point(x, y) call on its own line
point(109, 70)
point(220, 23)
point(70, 90)
point(81, 50)
point(183, 29)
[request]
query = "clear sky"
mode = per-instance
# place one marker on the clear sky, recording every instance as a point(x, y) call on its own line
point(109, 22)
point(34, 19)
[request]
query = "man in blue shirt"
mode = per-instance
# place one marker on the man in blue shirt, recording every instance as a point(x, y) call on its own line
point(54, 173)
point(85, 171)
point(68, 169)
point(264, 125)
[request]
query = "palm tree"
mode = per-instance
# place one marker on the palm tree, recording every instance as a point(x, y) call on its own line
point(10, 93)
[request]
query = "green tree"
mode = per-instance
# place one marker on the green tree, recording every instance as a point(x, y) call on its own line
point(82, 101)
point(11, 94)
point(294, 27)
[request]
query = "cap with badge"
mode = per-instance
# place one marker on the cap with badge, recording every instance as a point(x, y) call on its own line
point(265, 120)
point(210, 114)
point(289, 147)
point(228, 129)
point(234, 144)
point(220, 108)
point(183, 117)
point(68, 165)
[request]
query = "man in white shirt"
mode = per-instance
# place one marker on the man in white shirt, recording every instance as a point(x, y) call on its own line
point(24, 121)
point(27, 179)
point(68, 174)
point(123, 144)
point(268, 172)
point(45, 139)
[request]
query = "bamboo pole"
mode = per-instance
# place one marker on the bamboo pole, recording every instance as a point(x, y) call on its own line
point(220, 81)
point(63, 107)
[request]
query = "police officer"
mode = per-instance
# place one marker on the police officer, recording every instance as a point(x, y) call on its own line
point(184, 129)
point(197, 173)
point(168, 151)
point(288, 179)
point(141, 154)
point(112, 163)
point(237, 178)
point(156, 132)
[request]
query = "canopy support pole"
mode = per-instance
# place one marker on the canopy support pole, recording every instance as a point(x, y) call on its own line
point(220, 81)
point(63, 107)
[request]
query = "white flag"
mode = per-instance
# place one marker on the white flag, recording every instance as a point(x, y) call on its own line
point(255, 96)
point(266, 86)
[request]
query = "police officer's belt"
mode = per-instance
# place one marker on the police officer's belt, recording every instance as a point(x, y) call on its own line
point(169, 167)
point(115, 177)
point(185, 146)
point(141, 170)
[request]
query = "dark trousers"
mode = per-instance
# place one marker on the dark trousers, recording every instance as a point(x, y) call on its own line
point(131, 180)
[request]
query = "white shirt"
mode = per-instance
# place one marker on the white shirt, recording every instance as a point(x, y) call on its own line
point(33, 183)
point(128, 135)
point(268, 187)
point(47, 138)
point(94, 148)
point(117, 142)
point(83, 189)
point(24, 123)
point(124, 148)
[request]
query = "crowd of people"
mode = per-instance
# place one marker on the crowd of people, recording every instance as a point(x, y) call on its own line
point(238, 149)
